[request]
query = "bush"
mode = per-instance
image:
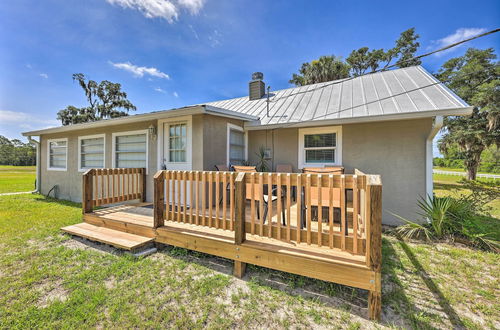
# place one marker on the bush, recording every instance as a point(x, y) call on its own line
point(457, 219)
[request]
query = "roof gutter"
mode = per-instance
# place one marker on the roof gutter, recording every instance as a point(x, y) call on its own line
point(38, 163)
point(436, 126)
point(465, 111)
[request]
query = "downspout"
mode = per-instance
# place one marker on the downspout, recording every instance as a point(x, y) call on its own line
point(38, 163)
point(436, 126)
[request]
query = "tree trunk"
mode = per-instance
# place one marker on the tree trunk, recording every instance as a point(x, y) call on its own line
point(471, 173)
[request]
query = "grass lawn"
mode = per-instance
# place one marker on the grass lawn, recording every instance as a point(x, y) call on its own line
point(48, 280)
point(448, 185)
point(456, 170)
point(17, 178)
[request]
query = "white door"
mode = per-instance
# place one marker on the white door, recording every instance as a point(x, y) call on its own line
point(177, 149)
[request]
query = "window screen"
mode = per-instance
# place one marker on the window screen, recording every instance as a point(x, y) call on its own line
point(236, 147)
point(130, 151)
point(92, 153)
point(57, 154)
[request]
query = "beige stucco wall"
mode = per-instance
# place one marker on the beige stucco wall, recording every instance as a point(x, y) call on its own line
point(69, 182)
point(215, 140)
point(394, 149)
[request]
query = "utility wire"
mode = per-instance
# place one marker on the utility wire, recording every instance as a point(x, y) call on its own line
point(392, 65)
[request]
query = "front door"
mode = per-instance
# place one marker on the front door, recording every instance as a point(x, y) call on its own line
point(177, 148)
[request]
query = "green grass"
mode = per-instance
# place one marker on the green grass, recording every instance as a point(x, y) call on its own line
point(17, 178)
point(48, 280)
point(456, 170)
point(449, 185)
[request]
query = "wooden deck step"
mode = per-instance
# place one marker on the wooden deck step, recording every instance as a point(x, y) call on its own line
point(112, 237)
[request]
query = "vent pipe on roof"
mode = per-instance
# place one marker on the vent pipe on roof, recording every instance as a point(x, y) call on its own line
point(256, 87)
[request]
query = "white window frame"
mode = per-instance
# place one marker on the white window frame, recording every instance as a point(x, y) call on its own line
point(113, 147)
point(48, 155)
point(188, 164)
point(167, 156)
point(320, 130)
point(80, 138)
point(245, 133)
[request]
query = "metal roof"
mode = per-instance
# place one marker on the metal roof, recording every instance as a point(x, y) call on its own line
point(389, 95)
point(407, 91)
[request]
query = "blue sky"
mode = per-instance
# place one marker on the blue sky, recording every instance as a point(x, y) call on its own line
point(172, 53)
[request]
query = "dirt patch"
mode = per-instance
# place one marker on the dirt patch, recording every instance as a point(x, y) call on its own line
point(110, 283)
point(51, 292)
point(77, 243)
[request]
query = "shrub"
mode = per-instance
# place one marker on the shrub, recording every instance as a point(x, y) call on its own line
point(447, 217)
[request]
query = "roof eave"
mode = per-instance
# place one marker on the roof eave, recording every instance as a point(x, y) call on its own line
point(191, 110)
point(462, 111)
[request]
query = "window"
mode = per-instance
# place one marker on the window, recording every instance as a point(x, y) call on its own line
point(177, 143)
point(130, 149)
point(319, 146)
point(236, 145)
point(91, 152)
point(57, 154)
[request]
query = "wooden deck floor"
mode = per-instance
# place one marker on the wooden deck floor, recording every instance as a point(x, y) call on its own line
point(138, 219)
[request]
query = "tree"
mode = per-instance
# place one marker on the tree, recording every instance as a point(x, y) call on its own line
point(403, 51)
point(106, 100)
point(326, 68)
point(15, 152)
point(475, 78)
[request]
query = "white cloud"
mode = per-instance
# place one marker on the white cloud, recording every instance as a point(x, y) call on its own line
point(29, 66)
point(25, 120)
point(459, 35)
point(166, 9)
point(175, 94)
point(159, 90)
point(44, 75)
point(194, 6)
point(140, 71)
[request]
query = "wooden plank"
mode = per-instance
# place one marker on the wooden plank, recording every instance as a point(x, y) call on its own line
point(210, 197)
point(166, 177)
point(231, 200)
point(324, 180)
point(331, 217)
point(308, 208)
point(320, 213)
point(184, 205)
point(87, 190)
point(108, 236)
point(374, 244)
point(158, 213)
point(275, 258)
point(355, 201)
point(127, 227)
point(217, 196)
point(239, 269)
point(261, 203)
point(288, 205)
point(197, 196)
point(203, 196)
point(224, 199)
point(191, 199)
point(143, 187)
point(343, 221)
point(240, 196)
point(270, 200)
point(299, 206)
point(279, 206)
point(252, 204)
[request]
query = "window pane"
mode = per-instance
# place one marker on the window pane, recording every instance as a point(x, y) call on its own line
point(130, 151)
point(320, 140)
point(236, 147)
point(57, 151)
point(177, 143)
point(320, 156)
point(92, 153)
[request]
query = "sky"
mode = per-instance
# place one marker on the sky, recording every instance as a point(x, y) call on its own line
point(172, 53)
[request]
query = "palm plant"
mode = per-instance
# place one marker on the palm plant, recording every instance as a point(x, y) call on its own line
point(261, 162)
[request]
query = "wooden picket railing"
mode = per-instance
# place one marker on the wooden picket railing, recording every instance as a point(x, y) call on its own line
point(195, 197)
point(102, 186)
point(315, 209)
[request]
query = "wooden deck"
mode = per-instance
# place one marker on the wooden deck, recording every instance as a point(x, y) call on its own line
point(331, 231)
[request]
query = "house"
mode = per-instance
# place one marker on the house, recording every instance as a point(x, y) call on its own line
point(382, 123)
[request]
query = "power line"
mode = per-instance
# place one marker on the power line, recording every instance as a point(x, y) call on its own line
point(392, 65)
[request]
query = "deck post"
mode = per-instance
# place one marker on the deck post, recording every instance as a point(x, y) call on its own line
point(87, 191)
point(239, 224)
point(374, 243)
point(143, 187)
point(158, 200)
